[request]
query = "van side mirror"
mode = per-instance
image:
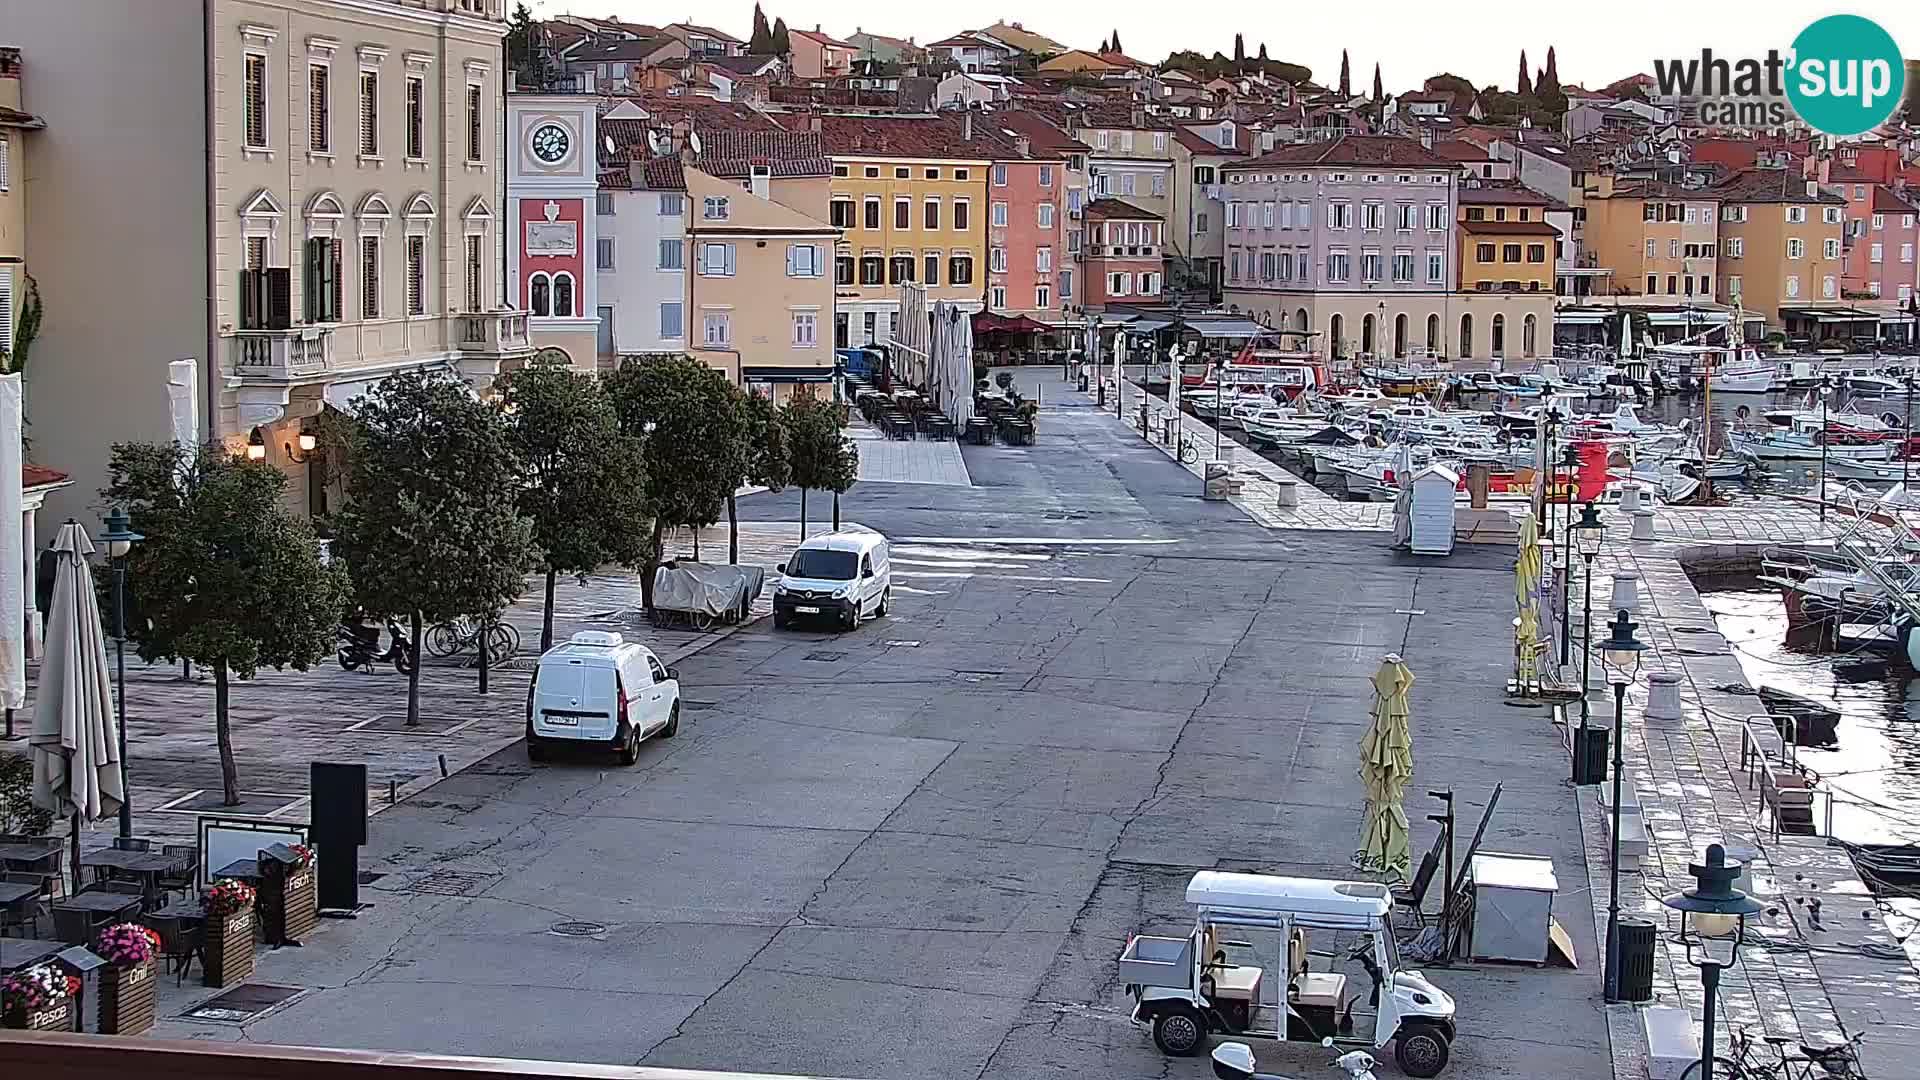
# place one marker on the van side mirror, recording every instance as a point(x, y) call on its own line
point(866, 573)
point(780, 569)
point(673, 674)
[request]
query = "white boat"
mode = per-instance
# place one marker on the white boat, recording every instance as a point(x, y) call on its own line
point(1801, 440)
point(1875, 385)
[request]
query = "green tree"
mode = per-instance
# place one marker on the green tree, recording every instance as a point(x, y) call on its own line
point(692, 423)
point(822, 457)
point(1379, 95)
point(767, 462)
point(26, 327)
point(525, 54)
point(1525, 86)
point(226, 577)
point(760, 41)
point(1552, 76)
point(1346, 76)
point(585, 479)
point(1445, 83)
point(432, 526)
point(782, 45)
point(1113, 43)
point(1239, 50)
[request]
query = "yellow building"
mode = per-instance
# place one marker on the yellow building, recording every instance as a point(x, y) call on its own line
point(1780, 247)
point(1506, 256)
point(758, 290)
point(1659, 239)
point(14, 123)
point(910, 197)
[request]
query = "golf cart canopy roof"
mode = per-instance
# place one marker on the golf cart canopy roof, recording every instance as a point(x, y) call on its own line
point(1263, 892)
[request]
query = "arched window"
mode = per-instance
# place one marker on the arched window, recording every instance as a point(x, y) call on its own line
point(1466, 335)
point(1336, 329)
point(1400, 334)
point(1528, 331)
point(1433, 334)
point(539, 295)
point(1499, 346)
point(563, 296)
point(1300, 319)
point(1366, 335)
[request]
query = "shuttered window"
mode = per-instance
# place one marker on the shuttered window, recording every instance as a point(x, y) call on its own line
point(6, 147)
point(255, 103)
point(317, 105)
point(370, 113)
point(416, 275)
point(256, 253)
point(416, 118)
point(476, 266)
point(474, 114)
point(321, 280)
point(369, 277)
point(6, 309)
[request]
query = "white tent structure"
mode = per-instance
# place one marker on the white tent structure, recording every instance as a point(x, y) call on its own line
point(76, 761)
point(950, 362)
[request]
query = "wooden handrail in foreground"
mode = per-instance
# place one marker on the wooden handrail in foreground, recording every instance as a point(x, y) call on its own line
point(60, 1056)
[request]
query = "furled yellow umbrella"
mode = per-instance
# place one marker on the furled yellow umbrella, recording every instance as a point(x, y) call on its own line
point(1386, 766)
point(1526, 590)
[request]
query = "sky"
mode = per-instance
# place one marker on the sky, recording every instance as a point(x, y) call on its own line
point(1594, 43)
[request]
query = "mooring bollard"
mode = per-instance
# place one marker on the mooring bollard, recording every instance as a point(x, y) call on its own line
point(1643, 525)
point(1663, 696)
point(1629, 497)
point(1286, 495)
point(1626, 592)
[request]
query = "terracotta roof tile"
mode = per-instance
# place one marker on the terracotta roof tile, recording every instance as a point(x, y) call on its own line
point(1510, 228)
point(937, 136)
point(1200, 144)
point(1119, 208)
point(1770, 186)
point(1359, 150)
point(1888, 201)
point(1505, 194)
point(40, 476)
point(1461, 150)
point(1044, 134)
point(663, 174)
point(617, 179)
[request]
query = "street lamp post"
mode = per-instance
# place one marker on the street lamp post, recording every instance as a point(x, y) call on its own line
point(1571, 461)
point(1219, 418)
point(1713, 919)
point(1621, 653)
point(1826, 390)
point(1588, 533)
point(119, 539)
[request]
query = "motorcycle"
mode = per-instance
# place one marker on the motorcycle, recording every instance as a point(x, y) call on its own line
point(360, 647)
point(1234, 1061)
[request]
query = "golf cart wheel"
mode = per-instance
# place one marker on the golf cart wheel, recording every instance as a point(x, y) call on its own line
point(1421, 1051)
point(1179, 1033)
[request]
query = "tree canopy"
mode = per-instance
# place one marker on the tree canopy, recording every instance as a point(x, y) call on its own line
point(782, 45)
point(226, 576)
point(760, 40)
point(1239, 49)
point(823, 457)
point(1346, 76)
point(524, 54)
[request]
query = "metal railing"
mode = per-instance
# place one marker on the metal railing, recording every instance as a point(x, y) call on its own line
point(1783, 786)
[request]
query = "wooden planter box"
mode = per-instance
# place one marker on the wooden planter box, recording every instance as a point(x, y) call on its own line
point(229, 958)
point(289, 904)
point(59, 1016)
point(126, 1000)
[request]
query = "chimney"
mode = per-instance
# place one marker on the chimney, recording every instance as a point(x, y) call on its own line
point(813, 123)
point(1813, 189)
point(760, 178)
point(1426, 137)
point(1023, 146)
point(966, 126)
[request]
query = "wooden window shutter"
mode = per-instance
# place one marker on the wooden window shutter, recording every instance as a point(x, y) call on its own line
point(250, 300)
point(279, 298)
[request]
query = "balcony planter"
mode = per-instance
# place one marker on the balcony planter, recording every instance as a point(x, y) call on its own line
point(229, 935)
point(127, 985)
point(40, 998)
point(289, 899)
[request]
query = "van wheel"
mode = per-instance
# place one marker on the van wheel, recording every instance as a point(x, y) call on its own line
point(886, 600)
point(779, 621)
point(536, 752)
point(853, 616)
point(631, 753)
point(1421, 1051)
point(673, 723)
point(1179, 1033)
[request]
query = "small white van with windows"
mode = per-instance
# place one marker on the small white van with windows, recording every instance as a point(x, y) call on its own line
point(600, 690)
point(837, 577)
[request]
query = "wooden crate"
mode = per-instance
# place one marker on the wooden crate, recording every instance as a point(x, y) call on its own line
point(59, 1016)
point(127, 1000)
point(289, 905)
point(229, 958)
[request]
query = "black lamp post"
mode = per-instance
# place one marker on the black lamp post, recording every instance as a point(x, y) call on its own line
point(1621, 653)
point(119, 539)
point(1587, 533)
point(1571, 461)
point(1826, 391)
point(1219, 418)
point(1713, 919)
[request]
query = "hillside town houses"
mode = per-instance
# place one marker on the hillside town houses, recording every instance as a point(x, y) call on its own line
point(397, 184)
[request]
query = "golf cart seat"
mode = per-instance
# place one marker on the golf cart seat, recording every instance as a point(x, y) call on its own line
point(1236, 983)
point(1317, 988)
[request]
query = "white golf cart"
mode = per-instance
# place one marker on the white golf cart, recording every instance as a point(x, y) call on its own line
point(1248, 970)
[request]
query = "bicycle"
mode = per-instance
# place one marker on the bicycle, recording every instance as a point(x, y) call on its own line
point(463, 633)
point(1813, 1062)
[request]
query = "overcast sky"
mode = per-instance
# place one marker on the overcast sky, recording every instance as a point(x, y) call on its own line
point(1594, 43)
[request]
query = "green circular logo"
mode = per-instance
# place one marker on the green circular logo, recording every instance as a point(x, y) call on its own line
point(1847, 76)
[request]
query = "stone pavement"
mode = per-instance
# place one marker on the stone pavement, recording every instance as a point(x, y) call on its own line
point(908, 461)
point(282, 721)
point(1794, 979)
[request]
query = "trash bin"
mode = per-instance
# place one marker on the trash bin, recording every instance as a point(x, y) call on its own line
point(1590, 754)
point(1635, 942)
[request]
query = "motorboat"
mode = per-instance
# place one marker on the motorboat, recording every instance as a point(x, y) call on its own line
point(1810, 437)
point(1406, 382)
point(1755, 377)
point(1807, 721)
point(1875, 385)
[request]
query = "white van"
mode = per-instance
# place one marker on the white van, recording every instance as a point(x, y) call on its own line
point(601, 690)
point(839, 576)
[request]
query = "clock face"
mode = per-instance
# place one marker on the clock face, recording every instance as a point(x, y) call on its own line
point(550, 143)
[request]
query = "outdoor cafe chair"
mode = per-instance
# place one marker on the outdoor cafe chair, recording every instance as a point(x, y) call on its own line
point(181, 877)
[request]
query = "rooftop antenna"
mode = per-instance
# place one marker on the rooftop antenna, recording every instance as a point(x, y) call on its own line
point(693, 141)
point(607, 141)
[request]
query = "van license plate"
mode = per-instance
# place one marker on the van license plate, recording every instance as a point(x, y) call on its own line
point(563, 721)
point(806, 610)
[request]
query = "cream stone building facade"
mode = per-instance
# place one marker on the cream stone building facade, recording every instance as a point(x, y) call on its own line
point(302, 196)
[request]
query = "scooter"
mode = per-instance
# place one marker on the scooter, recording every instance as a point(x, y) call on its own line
point(1234, 1061)
point(358, 645)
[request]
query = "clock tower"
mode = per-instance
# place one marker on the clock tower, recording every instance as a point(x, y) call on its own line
point(552, 178)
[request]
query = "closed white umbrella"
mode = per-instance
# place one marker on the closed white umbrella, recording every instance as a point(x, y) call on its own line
point(76, 762)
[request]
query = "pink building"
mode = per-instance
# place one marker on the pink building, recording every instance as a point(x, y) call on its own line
point(1124, 257)
point(1881, 238)
point(1026, 232)
point(819, 56)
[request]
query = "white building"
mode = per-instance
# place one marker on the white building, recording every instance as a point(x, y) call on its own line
point(643, 281)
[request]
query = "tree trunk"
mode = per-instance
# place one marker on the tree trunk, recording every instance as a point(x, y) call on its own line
point(695, 530)
point(648, 567)
point(486, 651)
point(412, 651)
point(733, 530)
point(836, 511)
point(223, 734)
point(546, 618)
point(803, 515)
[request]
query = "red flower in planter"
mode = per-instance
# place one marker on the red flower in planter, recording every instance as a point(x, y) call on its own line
point(36, 988)
point(126, 945)
point(228, 896)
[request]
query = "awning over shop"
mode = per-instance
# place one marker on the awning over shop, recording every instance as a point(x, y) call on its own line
point(1579, 318)
point(1830, 314)
point(1682, 318)
point(1223, 328)
point(1144, 325)
point(988, 322)
point(786, 374)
